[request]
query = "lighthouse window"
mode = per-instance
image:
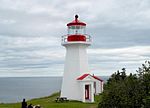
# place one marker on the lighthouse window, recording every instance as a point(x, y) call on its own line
point(73, 27)
point(76, 29)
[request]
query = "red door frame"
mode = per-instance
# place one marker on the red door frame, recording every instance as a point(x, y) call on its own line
point(87, 91)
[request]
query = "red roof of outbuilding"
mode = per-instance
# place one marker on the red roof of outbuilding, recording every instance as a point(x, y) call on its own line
point(85, 75)
point(97, 78)
point(76, 22)
point(82, 77)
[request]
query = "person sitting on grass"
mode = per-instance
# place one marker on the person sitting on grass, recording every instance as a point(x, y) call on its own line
point(24, 104)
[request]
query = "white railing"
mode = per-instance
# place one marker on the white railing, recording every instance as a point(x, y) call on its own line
point(64, 38)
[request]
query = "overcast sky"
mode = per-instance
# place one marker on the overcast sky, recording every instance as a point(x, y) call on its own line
point(31, 30)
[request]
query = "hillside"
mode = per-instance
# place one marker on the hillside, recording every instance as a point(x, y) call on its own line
point(49, 102)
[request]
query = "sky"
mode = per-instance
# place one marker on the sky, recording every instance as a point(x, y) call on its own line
point(31, 30)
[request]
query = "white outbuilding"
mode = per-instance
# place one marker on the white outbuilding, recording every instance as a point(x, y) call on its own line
point(78, 83)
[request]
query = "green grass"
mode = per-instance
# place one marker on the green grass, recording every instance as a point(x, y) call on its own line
point(49, 102)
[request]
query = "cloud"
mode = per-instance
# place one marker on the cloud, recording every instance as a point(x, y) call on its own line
point(107, 60)
point(30, 35)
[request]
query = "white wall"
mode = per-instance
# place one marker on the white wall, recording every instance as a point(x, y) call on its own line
point(99, 87)
point(76, 64)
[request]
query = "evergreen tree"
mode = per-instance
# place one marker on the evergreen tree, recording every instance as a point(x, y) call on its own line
point(122, 91)
point(144, 77)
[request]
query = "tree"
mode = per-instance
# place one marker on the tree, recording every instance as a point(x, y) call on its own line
point(144, 77)
point(122, 91)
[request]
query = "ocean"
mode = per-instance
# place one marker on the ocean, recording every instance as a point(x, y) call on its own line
point(14, 89)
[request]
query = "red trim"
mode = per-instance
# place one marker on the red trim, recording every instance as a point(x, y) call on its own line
point(85, 75)
point(76, 38)
point(87, 92)
point(82, 77)
point(98, 78)
point(76, 22)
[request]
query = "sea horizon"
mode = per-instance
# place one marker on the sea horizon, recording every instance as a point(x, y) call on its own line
point(14, 89)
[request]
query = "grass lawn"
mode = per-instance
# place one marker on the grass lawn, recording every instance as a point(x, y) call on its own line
point(49, 102)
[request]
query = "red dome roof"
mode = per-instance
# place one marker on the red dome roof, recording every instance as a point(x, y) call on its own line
point(76, 22)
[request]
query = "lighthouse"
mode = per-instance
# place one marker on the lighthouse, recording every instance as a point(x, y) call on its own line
point(78, 83)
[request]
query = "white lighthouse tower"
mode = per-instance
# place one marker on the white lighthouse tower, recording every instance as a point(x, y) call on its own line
point(77, 83)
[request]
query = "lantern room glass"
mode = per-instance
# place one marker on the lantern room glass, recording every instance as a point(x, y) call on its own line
point(76, 29)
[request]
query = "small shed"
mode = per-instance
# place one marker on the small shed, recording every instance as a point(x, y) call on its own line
point(89, 85)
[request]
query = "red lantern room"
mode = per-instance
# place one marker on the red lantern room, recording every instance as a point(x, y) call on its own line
point(76, 32)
